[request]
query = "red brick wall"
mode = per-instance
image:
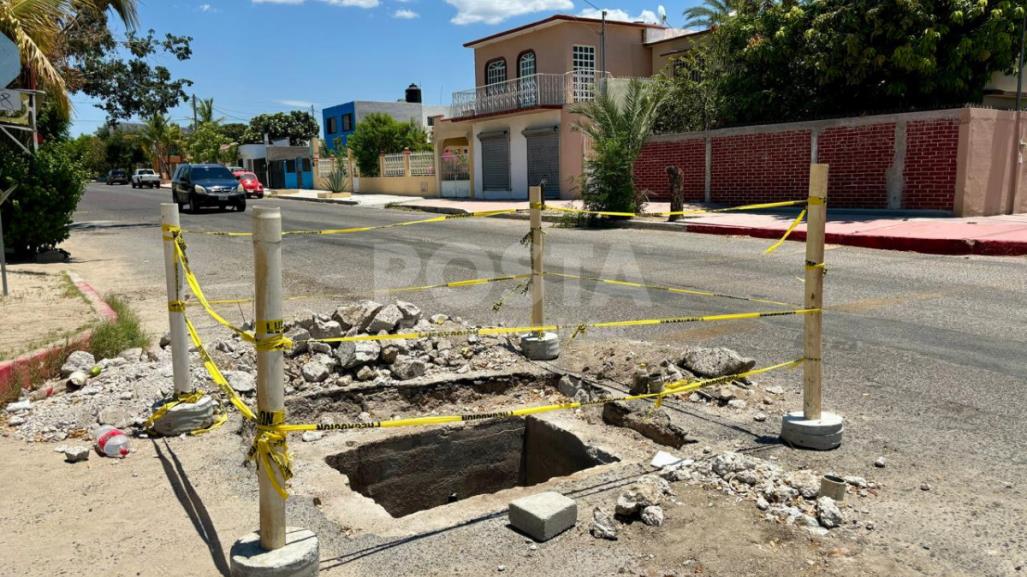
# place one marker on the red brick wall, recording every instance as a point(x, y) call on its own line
point(688, 155)
point(859, 157)
point(930, 172)
point(760, 167)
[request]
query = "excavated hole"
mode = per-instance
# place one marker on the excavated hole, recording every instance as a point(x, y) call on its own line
point(434, 467)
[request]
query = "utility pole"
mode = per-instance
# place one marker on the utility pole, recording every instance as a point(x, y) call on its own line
point(194, 113)
point(602, 57)
point(1014, 194)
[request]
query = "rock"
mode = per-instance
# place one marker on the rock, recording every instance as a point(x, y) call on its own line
point(775, 390)
point(132, 355)
point(19, 407)
point(828, 513)
point(654, 424)
point(356, 316)
point(322, 329)
point(645, 492)
point(77, 380)
point(759, 417)
point(726, 394)
point(165, 340)
point(406, 368)
point(925, 487)
point(298, 335)
point(314, 372)
point(116, 416)
point(603, 525)
point(727, 463)
point(645, 381)
point(77, 361)
point(311, 436)
point(241, 381)
point(411, 314)
point(806, 482)
point(737, 404)
point(715, 362)
point(76, 453)
point(880, 463)
point(439, 319)
point(568, 386)
point(365, 373)
point(320, 348)
point(859, 482)
point(762, 504)
point(365, 417)
point(652, 516)
point(16, 421)
point(391, 350)
point(385, 320)
point(355, 354)
point(126, 395)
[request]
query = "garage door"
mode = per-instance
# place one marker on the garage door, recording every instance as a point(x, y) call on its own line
point(495, 160)
point(544, 158)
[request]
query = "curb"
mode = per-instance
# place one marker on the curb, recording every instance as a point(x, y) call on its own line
point(18, 371)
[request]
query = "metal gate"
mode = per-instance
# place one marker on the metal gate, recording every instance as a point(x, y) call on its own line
point(544, 159)
point(455, 172)
point(495, 161)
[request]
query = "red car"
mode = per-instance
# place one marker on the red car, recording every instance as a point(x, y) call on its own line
point(250, 183)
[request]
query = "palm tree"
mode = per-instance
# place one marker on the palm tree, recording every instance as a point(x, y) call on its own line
point(158, 138)
point(35, 27)
point(710, 13)
point(205, 111)
point(617, 128)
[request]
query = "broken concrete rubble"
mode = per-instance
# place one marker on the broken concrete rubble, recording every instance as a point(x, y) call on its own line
point(715, 362)
point(652, 423)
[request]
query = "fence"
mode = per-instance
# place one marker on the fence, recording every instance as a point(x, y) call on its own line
point(810, 427)
point(393, 165)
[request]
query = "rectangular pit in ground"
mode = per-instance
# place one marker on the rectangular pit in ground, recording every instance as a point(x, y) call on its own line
point(433, 467)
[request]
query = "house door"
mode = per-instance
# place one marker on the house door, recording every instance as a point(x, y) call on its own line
point(544, 159)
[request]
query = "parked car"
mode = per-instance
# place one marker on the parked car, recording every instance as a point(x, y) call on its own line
point(197, 185)
point(145, 177)
point(250, 183)
point(117, 176)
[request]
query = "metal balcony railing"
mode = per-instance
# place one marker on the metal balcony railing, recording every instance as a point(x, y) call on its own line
point(526, 92)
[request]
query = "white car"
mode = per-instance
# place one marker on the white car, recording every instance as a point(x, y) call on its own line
point(145, 177)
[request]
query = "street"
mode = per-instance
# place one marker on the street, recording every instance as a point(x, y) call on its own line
point(924, 355)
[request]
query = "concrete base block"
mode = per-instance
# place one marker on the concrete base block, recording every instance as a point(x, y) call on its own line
point(298, 558)
point(821, 434)
point(543, 516)
point(541, 348)
point(186, 417)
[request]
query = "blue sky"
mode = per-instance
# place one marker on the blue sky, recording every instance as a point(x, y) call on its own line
point(255, 56)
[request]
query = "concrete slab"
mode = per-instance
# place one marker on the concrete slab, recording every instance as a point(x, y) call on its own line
point(298, 558)
point(543, 516)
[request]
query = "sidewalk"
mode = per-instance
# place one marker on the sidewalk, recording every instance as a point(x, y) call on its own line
point(991, 235)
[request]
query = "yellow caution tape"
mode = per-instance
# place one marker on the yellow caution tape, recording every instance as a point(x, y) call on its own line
point(271, 450)
point(194, 286)
point(176, 306)
point(675, 290)
point(162, 410)
point(216, 376)
point(746, 207)
point(795, 224)
point(495, 331)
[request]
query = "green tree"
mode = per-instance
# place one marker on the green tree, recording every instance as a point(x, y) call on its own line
point(298, 126)
point(377, 134)
point(710, 13)
point(234, 131)
point(90, 153)
point(159, 139)
point(695, 96)
point(205, 143)
point(205, 111)
point(617, 128)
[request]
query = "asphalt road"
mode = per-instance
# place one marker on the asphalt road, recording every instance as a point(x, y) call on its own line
point(924, 355)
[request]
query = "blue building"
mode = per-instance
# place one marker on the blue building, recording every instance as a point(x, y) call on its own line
point(341, 120)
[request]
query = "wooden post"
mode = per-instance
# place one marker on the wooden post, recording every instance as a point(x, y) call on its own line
point(174, 277)
point(537, 284)
point(267, 257)
point(816, 218)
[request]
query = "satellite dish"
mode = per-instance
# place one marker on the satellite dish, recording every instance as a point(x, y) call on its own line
point(10, 61)
point(663, 14)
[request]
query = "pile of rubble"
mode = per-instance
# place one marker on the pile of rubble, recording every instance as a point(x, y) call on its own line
point(316, 365)
point(792, 497)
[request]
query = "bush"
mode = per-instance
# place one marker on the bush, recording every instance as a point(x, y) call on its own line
point(110, 338)
point(378, 133)
point(37, 215)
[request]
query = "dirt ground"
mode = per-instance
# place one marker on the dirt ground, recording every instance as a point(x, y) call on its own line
point(33, 291)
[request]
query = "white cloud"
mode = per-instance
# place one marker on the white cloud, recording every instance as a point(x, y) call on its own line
point(496, 11)
point(354, 3)
point(405, 14)
point(647, 16)
point(209, 8)
point(295, 103)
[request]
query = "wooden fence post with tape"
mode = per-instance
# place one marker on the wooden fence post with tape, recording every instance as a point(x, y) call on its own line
point(813, 428)
point(540, 346)
point(293, 550)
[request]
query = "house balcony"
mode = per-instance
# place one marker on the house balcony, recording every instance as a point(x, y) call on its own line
point(527, 92)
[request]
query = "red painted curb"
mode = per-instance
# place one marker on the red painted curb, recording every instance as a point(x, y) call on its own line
point(949, 246)
point(18, 371)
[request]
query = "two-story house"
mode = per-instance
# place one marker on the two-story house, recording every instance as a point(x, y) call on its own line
point(340, 121)
point(516, 128)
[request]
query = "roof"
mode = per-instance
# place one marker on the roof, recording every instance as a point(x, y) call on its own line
point(686, 34)
point(555, 20)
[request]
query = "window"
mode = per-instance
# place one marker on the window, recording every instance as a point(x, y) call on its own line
point(347, 122)
point(526, 64)
point(290, 166)
point(583, 63)
point(527, 82)
point(306, 165)
point(495, 71)
point(331, 125)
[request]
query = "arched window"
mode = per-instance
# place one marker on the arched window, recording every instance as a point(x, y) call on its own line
point(495, 71)
point(526, 64)
point(527, 88)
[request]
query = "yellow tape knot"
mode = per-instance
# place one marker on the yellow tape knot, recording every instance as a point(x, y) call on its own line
point(579, 330)
point(271, 450)
point(176, 306)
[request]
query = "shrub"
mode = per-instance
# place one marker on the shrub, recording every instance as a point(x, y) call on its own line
point(378, 133)
point(110, 338)
point(50, 183)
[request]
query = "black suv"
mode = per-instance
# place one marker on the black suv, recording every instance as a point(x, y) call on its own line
point(117, 176)
point(196, 185)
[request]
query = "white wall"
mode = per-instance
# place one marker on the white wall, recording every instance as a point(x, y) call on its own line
point(518, 151)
